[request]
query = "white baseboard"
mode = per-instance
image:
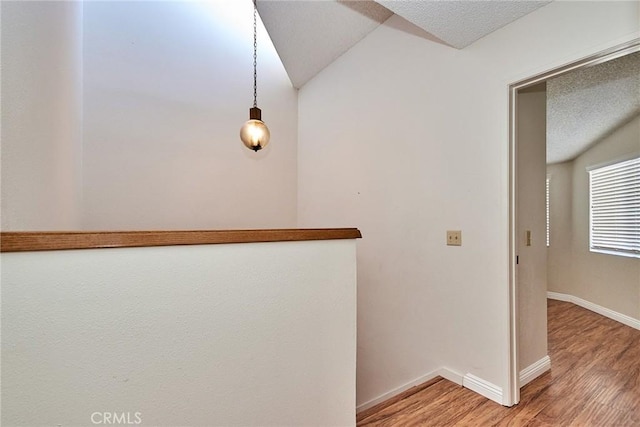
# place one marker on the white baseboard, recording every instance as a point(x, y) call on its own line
point(618, 317)
point(473, 383)
point(482, 387)
point(442, 372)
point(534, 370)
point(450, 375)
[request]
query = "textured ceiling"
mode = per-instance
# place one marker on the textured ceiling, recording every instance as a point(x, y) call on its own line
point(460, 23)
point(310, 34)
point(586, 105)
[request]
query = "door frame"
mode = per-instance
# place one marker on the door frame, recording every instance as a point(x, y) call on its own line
point(512, 395)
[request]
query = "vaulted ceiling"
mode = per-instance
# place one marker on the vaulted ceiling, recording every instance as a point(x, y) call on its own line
point(583, 106)
point(310, 34)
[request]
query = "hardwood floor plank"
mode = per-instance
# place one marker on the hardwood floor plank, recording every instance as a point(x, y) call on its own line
point(488, 413)
point(411, 404)
point(405, 394)
point(594, 382)
point(598, 414)
point(538, 423)
point(629, 402)
point(448, 409)
point(522, 414)
point(561, 412)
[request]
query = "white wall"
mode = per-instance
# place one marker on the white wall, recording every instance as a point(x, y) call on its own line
point(165, 96)
point(609, 281)
point(218, 335)
point(407, 138)
point(532, 267)
point(164, 90)
point(41, 104)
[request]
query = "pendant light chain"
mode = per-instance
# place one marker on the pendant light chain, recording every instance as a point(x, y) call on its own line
point(254, 133)
point(255, 56)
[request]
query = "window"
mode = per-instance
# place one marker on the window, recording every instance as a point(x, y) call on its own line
point(547, 202)
point(615, 208)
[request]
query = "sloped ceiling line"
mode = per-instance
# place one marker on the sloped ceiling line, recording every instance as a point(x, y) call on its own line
point(311, 34)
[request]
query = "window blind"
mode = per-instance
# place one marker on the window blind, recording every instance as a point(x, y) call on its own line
point(615, 208)
point(547, 204)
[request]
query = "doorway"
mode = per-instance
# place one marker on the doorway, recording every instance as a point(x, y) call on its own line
point(525, 321)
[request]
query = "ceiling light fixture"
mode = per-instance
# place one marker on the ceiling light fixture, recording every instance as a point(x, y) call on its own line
point(254, 133)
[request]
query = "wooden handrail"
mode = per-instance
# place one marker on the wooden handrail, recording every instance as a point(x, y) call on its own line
point(24, 241)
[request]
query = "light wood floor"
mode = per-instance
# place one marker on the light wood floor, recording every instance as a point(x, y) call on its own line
point(594, 381)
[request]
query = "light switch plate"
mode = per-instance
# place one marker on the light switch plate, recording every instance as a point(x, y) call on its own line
point(454, 237)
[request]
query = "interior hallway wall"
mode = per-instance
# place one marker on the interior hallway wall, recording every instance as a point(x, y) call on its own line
point(406, 138)
point(531, 217)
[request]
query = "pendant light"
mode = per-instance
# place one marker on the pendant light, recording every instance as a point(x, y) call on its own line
point(254, 133)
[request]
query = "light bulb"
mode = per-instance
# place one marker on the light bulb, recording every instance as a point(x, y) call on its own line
point(255, 134)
